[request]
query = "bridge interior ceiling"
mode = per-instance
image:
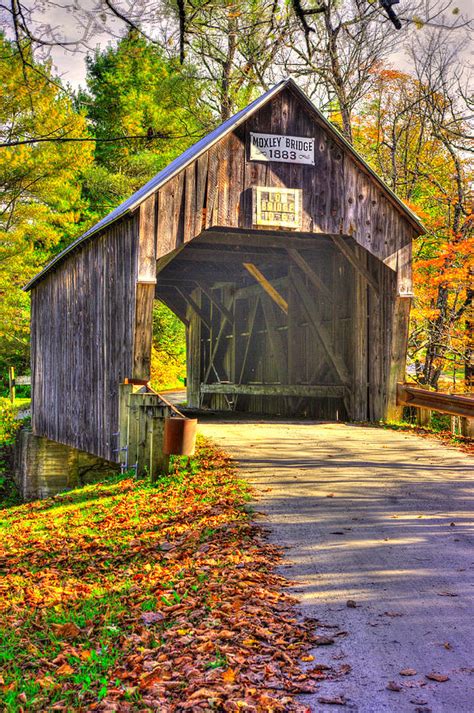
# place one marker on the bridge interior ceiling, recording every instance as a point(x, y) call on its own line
point(281, 323)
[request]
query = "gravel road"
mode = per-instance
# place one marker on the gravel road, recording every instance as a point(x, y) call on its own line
point(382, 520)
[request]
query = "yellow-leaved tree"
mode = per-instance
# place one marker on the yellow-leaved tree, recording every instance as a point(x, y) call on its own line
point(40, 193)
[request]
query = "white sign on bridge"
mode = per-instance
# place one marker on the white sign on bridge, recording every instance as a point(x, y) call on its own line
point(277, 147)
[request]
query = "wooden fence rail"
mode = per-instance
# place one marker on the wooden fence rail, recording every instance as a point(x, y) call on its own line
point(14, 381)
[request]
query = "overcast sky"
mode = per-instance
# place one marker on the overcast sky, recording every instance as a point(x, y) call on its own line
point(71, 65)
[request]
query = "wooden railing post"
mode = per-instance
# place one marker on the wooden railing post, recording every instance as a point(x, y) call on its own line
point(11, 383)
point(467, 427)
point(142, 419)
point(423, 415)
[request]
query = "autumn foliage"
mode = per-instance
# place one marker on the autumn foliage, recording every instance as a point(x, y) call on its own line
point(130, 596)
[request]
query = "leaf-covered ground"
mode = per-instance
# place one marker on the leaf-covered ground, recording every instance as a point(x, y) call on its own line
point(130, 596)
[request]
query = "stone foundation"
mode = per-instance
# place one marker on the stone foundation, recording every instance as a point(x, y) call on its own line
point(43, 467)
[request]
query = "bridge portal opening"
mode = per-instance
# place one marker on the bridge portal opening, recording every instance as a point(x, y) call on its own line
point(280, 323)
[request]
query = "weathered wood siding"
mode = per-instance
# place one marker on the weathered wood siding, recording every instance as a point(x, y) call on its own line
point(339, 195)
point(83, 318)
point(92, 313)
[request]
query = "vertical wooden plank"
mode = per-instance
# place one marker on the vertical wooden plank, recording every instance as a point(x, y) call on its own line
point(212, 188)
point(358, 401)
point(143, 333)
point(189, 203)
point(397, 359)
point(146, 245)
point(200, 193)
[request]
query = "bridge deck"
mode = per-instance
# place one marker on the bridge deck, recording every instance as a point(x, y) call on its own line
point(384, 519)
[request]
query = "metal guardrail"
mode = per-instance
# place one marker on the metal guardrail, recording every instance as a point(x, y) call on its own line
point(453, 404)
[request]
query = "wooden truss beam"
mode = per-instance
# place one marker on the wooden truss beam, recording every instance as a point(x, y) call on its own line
point(267, 286)
point(305, 390)
point(276, 340)
point(166, 259)
point(217, 254)
point(310, 273)
point(355, 262)
point(217, 303)
point(173, 305)
point(314, 317)
point(194, 306)
point(263, 239)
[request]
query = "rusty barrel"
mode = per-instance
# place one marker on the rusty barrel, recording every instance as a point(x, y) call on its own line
point(180, 436)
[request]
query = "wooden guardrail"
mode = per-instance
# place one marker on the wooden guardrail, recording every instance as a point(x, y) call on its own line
point(453, 404)
point(14, 381)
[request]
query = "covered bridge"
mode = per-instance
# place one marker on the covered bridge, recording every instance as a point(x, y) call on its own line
point(284, 254)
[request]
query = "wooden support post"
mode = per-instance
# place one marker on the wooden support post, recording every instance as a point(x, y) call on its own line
point(423, 415)
point(193, 359)
point(278, 347)
point(143, 336)
point(359, 392)
point(267, 286)
point(217, 303)
point(142, 417)
point(124, 425)
point(467, 427)
point(11, 383)
point(397, 355)
point(159, 462)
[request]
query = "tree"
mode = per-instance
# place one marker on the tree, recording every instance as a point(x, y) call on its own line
point(335, 48)
point(415, 132)
point(40, 196)
point(233, 45)
point(133, 89)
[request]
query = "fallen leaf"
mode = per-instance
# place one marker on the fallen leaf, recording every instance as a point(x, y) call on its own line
point(439, 677)
point(65, 670)
point(66, 631)
point(22, 697)
point(229, 676)
point(447, 594)
point(151, 617)
point(323, 640)
point(307, 658)
point(408, 672)
point(333, 701)
point(394, 686)
point(392, 613)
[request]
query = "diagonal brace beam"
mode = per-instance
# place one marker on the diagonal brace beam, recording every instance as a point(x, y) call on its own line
point(267, 286)
point(314, 317)
point(194, 306)
point(355, 262)
point(300, 262)
point(217, 304)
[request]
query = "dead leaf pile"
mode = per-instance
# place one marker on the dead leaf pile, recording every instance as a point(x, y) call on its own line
point(129, 596)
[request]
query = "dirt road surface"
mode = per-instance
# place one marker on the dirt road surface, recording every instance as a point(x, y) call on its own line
point(384, 520)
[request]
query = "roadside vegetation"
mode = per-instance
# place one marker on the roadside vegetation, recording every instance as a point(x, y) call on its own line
point(148, 596)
